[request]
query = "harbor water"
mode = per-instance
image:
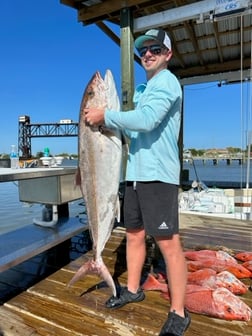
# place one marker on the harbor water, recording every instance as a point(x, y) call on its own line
point(221, 172)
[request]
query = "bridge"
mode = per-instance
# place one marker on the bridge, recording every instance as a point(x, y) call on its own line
point(27, 131)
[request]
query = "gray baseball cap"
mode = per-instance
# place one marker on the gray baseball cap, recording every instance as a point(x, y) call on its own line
point(154, 34)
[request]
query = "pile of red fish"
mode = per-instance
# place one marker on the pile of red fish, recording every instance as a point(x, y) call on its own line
point(214, 284)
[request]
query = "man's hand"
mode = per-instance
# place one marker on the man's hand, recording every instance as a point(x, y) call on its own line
point(94, 116)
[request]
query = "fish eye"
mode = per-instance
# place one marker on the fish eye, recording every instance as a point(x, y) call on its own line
point(90, 93)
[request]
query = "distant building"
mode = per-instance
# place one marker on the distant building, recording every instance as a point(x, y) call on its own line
point(216, 152)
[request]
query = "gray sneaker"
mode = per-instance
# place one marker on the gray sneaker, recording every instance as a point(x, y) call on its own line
point(175, 325)
point(125, 297)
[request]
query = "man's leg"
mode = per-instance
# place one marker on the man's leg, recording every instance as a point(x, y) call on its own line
point(176, 271)
point(178, 319)
point(135, 256)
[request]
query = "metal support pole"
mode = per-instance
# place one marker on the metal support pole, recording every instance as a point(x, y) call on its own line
point(181, 138)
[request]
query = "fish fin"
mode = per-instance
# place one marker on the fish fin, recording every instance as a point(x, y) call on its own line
point(106, 276)
point(82, 271)
point(118, 210)
point(113, 99)
point(96, 267)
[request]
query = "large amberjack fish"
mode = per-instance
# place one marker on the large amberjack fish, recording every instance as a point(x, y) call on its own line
point(99, 168)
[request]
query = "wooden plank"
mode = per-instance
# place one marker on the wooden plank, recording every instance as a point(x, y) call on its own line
point(199, 237)
point(189, 220)
point(95, 11)
point(53, 304)
point(14, 325)
point(212, 231)
point(95, 302)
point(78, 315)
point(53, 309)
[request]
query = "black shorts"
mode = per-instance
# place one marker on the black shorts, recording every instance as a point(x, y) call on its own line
point(152, 206)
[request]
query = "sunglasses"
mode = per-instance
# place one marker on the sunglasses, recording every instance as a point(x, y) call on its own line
point(153, 49)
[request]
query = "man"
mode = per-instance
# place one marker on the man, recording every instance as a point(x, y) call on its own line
point(152, 176)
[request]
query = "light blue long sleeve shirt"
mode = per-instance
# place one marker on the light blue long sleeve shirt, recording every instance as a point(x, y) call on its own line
point(153, 128)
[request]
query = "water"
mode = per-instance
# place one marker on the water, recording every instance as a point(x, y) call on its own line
point(221, 172)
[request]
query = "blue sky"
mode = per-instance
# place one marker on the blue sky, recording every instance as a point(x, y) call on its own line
point(47, 58)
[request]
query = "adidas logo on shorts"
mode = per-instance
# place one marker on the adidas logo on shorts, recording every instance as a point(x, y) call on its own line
point(163, 226)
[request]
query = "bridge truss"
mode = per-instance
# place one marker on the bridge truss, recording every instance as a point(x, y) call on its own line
point(27, 131)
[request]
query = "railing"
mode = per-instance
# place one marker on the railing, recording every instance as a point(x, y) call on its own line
point(216, 158)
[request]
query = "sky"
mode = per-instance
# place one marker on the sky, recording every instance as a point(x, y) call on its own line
point(47, 58)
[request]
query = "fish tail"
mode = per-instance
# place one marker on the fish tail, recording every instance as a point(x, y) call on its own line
point(106, 276)
point(82, 271)
point(95, 267)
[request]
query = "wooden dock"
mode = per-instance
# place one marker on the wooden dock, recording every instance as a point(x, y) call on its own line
point(49, 308)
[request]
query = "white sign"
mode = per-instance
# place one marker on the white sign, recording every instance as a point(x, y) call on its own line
point(225, 7)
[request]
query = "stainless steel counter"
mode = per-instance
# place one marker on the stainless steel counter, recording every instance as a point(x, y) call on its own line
point(44, 185)
point(8, 174)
